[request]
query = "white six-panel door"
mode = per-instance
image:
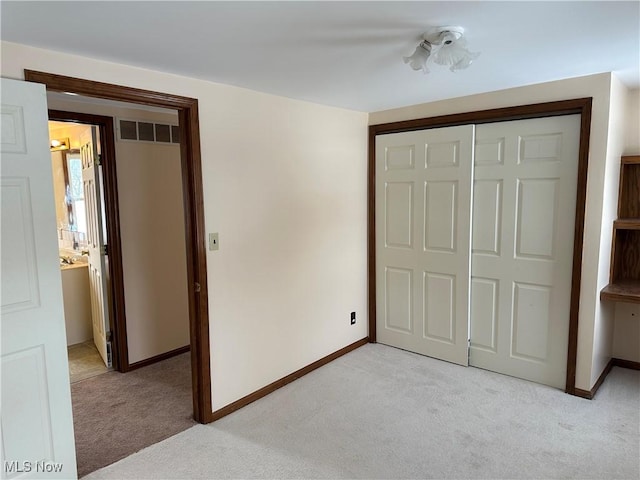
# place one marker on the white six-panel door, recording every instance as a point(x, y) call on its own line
point(36, 420)
point(97, 265)
point(423, 205)
point(514, 318)
point(525, 182)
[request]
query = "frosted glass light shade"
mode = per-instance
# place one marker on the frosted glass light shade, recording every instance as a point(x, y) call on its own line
point(465, 61)
point(455, 55)
point(418, 61)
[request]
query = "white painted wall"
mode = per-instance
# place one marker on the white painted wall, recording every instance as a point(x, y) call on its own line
point(605, 311)
point(632, 123)
point(285, 186)
point(593, 318)
point(153, 248)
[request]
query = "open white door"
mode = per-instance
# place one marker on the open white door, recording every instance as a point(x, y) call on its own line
point(423, 228)
point(36, 419)
point(95, 240)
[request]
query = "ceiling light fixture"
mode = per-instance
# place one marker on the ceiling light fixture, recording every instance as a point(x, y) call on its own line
point(59, 144)
point(451, 51)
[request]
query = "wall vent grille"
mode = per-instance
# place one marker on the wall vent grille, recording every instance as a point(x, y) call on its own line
point(144, 131)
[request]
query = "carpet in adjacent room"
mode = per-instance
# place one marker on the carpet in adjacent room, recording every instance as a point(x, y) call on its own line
point(116, 414)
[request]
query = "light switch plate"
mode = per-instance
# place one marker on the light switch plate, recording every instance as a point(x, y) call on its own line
point(214, 242)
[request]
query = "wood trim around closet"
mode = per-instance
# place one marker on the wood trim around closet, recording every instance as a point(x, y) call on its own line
point(194, 213)
point(581, 106)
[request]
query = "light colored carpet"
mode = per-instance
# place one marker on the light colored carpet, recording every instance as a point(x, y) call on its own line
point(380, 412)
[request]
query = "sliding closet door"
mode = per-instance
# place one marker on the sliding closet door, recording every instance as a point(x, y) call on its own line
point(523, 219)
point(423, 218)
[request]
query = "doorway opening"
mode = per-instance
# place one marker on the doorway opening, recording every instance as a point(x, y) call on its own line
point(193, 213)
point(149, 258)
point(85, 304)
point(88, 223)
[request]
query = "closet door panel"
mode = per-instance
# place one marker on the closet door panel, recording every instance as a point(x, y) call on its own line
point(423, 241)
point(535, 163)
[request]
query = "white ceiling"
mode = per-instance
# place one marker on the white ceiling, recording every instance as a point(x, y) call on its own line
point(347, 54)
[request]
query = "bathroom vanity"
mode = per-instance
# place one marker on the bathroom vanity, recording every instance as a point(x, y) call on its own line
point(77, 304)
